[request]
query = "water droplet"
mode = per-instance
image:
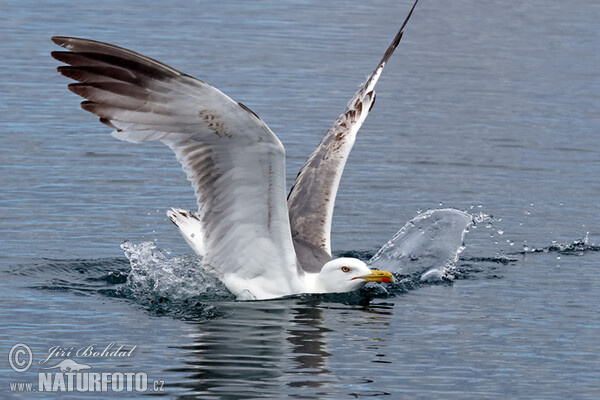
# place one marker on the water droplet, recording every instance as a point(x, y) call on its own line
point(558, 257)
point(500, 232)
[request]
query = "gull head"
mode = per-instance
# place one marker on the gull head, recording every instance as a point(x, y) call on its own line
point(346, 275)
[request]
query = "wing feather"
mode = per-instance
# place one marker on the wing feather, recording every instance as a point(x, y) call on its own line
point(312, 197)
point(234, 162)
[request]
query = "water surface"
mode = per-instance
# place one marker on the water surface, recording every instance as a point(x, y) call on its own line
point(486, 108)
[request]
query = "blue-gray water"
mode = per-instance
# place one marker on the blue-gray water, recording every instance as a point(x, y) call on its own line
point(488, 107)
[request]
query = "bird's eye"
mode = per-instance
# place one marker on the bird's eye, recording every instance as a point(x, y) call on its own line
point(345, 269)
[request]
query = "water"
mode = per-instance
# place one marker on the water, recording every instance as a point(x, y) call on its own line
point(485, 108)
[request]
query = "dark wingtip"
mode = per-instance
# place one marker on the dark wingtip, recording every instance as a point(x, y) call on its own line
point(62, 56)
point(77, 87)
point(65, 70)
point(105, 121)
point(88, 105)
point(60, 40)
point(392, 48)
point(397, 38)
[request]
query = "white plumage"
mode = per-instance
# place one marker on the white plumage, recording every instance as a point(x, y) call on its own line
point(236, 166)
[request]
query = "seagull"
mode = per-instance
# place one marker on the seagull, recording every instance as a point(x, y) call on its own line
point(260, 245)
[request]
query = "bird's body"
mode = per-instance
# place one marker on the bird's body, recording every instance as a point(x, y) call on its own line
point(355, 271)
point(260, 246)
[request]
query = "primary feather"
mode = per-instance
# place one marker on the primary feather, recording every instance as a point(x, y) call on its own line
point(236, 166)
point(312, 196)
point(234, 162)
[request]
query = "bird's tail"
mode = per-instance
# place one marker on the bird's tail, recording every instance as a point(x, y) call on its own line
point(190, 228)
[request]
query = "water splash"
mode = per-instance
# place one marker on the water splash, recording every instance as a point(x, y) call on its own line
point(424, 250)
point(504, 260)
point(427, 250)
point(177, 278)
point(577, 247)
point(428, 246)
point(178, 287)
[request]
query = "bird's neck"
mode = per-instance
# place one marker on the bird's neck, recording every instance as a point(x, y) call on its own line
point(312, 283)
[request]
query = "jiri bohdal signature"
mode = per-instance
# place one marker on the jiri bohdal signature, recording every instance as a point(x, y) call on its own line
point(109, 351)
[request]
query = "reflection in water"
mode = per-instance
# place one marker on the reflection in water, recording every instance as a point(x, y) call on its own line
point(267, 349)
point(306, 334)
point(240, 356)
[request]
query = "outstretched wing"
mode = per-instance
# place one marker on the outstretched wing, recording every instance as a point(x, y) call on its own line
point(312, 196)
point(234, 162)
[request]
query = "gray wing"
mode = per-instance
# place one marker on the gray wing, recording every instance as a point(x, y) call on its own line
point(311, 198)
point(234, 162)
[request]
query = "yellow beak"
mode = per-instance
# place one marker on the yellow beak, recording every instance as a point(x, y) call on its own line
point(377, 276)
